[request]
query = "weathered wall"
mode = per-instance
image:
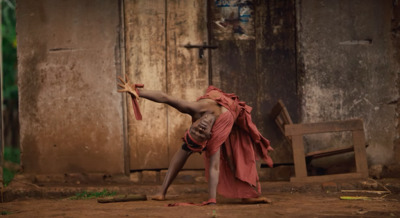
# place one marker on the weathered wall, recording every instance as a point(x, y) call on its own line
point(72, 118)
point(350, 71)
point(70, 113)
point(396, 48)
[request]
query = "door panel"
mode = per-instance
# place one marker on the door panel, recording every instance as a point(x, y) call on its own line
point(145, 63)
point(256, 59)
point(187, 76)
point(277, 70)
point(155, 33)
point(234, 62)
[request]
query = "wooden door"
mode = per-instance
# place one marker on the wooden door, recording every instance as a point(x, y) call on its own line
point(155, 34)
point(256, 59)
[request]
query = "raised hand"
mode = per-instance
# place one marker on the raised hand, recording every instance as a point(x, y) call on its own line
point(126, 86)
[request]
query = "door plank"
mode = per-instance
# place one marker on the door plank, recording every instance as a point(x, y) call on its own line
point(276, 67)
point(187, 74)
point(145, 63)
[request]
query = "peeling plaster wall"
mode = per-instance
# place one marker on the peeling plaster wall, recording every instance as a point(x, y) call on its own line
point(349, 68)
point(70, 113)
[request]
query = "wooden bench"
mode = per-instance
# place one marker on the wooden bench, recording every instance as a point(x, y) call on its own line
point(295, 132)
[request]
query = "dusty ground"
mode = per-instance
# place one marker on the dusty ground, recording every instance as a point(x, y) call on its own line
point(289, 200)
point(285, 205)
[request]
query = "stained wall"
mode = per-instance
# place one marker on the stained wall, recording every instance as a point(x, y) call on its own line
point(71, 116)
point(348, 68)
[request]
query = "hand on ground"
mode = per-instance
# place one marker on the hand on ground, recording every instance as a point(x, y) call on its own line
point(259, 200)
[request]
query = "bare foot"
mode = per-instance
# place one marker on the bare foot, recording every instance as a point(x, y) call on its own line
point(259, 200)
point(158, 198)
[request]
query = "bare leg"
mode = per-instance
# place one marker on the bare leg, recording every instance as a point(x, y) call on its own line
point(175, 166)
point(214, 175)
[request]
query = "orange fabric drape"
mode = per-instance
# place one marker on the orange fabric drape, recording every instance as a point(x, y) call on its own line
point(240, 143)
point(135, 103)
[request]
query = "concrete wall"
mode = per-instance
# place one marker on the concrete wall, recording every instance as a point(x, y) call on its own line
point(349, 69)
point(71, 116)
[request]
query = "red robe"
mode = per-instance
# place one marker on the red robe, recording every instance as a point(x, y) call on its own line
point(240, 142)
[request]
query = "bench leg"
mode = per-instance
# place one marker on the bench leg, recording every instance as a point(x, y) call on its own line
point(360, 152)
point(299, 156)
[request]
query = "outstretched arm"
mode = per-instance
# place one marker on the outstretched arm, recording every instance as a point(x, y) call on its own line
point(180, 104)
point(161, 97)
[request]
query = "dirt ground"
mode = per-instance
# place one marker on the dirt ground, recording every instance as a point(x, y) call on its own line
point(285, 204)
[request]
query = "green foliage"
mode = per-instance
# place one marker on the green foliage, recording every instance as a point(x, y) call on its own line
point(89, 195)
point(8, 175)
point(5, 213)
point(9, 64)
point(11, 154)
point(9, 47)
point(214, 214)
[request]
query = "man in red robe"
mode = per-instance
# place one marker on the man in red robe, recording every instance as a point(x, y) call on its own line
point(223, 129)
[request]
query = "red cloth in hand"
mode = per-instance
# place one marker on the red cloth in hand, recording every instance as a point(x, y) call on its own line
point(135, 104)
